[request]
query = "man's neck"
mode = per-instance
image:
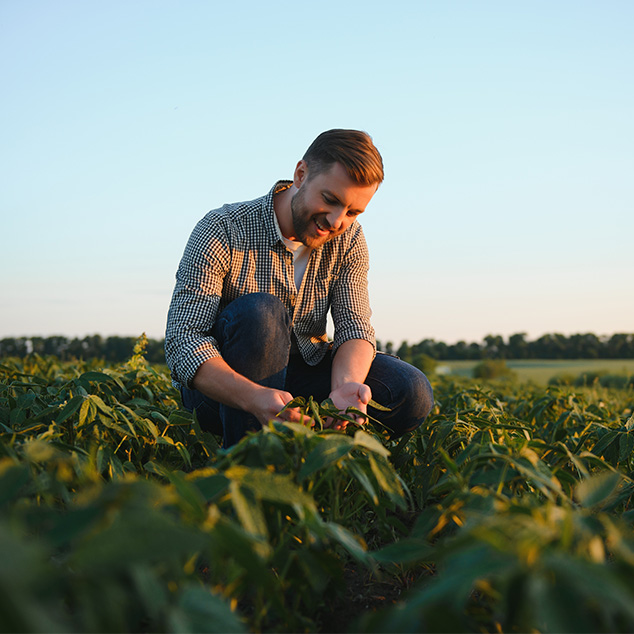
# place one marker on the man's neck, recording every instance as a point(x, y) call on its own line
point(282, 208)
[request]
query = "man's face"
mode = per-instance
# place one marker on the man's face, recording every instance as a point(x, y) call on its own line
point(326, 204)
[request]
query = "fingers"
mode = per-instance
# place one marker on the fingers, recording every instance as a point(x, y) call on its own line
point(285, 397)
point(349, 396)
point(293, 415)
point(338, 425)
point(365, 393)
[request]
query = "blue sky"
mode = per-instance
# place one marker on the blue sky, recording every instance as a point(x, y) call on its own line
point(506, 128)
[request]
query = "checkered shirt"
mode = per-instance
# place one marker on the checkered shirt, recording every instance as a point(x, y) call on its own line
point(236, 250)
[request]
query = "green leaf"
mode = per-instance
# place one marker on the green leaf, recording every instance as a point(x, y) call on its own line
point(272, 487)
point(25, 401)
point(115, 466)
point(180, 418)
point(406, 551)
point(41, 451)
point(297, 402)
point(210, 485)
point(598, 489)
point(101, 377)
point(150, 589)
point(375, 405)
point(453, 467)
point(355, 468)
point(387, 479)
point(190, 495)
point(182, 450)
point(155, 468)
point(348, 540)
point(626, 447)
point(328, 451)
point(160, 417)
point(29, 585)
point(138, 536)
point(298, 428)
point(319, 568)
point(605, 442)
point(74, 524)
point(609, 591)
point(363, 439)
point(110, 422)
point(87, 413)
point(249, 512)
point(202, 611)
point(12, 480)
point(314, 412)
point(231, 540)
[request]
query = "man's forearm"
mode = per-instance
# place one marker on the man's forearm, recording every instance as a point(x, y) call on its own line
point(350, 369)
point(351, 363)
point(218, 381)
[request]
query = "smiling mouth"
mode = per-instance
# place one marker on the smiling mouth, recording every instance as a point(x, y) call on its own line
point(320, 227)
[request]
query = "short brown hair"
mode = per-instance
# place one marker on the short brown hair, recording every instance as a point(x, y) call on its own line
point(353, 149)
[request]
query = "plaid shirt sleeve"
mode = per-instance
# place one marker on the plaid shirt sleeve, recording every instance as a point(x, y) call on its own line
point(350, 303)
point(196, 300)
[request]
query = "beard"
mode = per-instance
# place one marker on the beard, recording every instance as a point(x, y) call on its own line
point(304, 223)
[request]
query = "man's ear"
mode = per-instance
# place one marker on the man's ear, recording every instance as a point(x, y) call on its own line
point(301, 173)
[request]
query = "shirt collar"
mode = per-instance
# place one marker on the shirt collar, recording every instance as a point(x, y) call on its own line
point(271, 225)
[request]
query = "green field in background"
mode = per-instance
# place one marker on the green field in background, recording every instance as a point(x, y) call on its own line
point(539, 371)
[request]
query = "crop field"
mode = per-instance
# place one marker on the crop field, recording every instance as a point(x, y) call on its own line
point(540, 371)
point(510, 510)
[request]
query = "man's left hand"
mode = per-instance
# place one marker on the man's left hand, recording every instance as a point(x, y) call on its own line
point(350, 394)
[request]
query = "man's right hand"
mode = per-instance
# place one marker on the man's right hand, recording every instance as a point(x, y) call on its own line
point(218, 381)
point(268, 403)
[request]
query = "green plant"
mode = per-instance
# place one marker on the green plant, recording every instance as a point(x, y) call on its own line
point(509, 507)
point(492, 369)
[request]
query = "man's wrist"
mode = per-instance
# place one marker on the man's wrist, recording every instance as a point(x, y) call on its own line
point(339, 382)
point(247, 396)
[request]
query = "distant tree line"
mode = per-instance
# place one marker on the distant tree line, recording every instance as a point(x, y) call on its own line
point(549, 346)
point(114, 349)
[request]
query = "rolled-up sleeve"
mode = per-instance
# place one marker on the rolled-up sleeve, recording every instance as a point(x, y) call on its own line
point(196, 300)
point(350, 303)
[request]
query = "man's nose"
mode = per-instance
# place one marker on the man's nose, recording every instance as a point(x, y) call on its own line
point(336, 218)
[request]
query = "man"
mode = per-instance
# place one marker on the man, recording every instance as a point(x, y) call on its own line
point(246, 329)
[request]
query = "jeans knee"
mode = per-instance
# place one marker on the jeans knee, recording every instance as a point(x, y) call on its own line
point(257, 319)
point(254, 334)
point(265, 306)
point(406, 390)
point(416, 405)
point(422, 399)
point(257, 308)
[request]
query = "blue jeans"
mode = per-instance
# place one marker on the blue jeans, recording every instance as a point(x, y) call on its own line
point(254, 334)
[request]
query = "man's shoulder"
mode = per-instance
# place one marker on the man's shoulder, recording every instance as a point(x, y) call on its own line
point(246, 210)
point(247, 224)
point(236, 212)
point(232, 219)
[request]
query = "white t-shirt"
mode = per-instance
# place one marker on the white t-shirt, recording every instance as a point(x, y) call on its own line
point(301, 255)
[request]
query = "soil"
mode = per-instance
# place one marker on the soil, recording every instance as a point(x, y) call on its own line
point(364, 592)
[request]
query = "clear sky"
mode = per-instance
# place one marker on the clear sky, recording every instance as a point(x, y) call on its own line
point(506, 128)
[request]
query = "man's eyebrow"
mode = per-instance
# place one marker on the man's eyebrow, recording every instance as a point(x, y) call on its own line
point(331, 194)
